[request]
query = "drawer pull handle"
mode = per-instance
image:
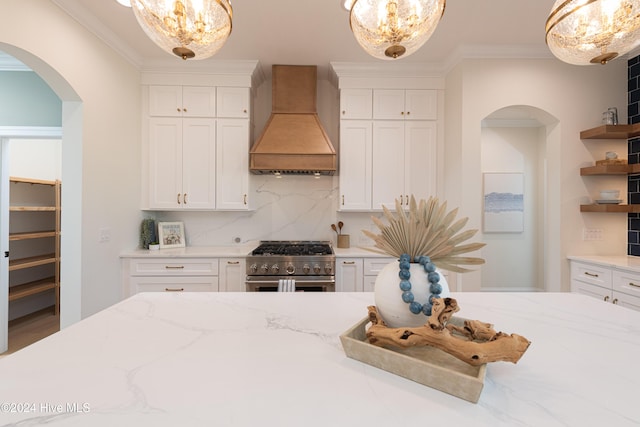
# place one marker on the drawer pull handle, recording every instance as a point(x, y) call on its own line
point(590, 274)
point(173, 289)
point(615, 300)
point(174, 267)
point(635, 285)
point(348, 262)
point(606, 298)
point(233, 262)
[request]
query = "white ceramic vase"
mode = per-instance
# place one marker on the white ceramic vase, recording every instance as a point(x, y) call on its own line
point(388, 295)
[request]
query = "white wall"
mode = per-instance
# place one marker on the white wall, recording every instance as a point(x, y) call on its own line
point(514, 150)
point(576, 97)
point(101, 158)
point(35, 158)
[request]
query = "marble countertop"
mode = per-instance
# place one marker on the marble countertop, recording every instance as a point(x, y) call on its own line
point(275, 359)
point(622, 261)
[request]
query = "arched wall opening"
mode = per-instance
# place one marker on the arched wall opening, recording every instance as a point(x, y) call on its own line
point(516, 142)
point(71, 193)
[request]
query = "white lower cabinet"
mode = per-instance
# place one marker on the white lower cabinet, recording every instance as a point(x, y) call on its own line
point(232, 275)
point(607, 283)
point(358, 274)
point(169, 275)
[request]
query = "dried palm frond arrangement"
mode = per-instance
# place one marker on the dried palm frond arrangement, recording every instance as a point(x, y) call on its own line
point(427, 229)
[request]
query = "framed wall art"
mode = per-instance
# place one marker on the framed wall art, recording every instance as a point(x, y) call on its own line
point(171, 234)
point(503, 203)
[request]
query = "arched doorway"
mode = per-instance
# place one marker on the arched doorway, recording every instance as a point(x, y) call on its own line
point(71, 219)
point(516, 142)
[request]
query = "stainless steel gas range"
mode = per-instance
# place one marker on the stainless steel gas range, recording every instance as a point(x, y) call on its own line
point(311, 264)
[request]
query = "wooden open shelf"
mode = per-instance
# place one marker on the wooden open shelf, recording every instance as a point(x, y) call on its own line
point(610, 208)
point(612, 132)
point(610, 170)
point(31, 288)
point(32, 208)
point(32, 235)
point(32, 261)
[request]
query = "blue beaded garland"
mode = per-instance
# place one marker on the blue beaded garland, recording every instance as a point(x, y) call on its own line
point(405, 285)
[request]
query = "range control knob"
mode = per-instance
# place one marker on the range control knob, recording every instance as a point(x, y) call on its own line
point(328, 268)
point(253, 268)
point(275, 268)
point(316, 268)
point(291, 269)
point(264, 268)
point(306, 268)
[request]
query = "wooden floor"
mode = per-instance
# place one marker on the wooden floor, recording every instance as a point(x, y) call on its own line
point(32, 328)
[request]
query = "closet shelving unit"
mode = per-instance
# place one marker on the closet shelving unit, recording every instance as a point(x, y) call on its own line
point(44, 228)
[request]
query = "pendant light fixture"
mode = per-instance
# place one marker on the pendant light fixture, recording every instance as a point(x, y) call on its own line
point(584, 32)
point(187, 28)
point(391, 29)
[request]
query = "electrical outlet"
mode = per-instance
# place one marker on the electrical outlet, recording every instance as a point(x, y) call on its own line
point(591, 234)
point(105, 235)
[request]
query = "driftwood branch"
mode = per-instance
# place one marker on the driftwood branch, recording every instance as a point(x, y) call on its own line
point(475, 343)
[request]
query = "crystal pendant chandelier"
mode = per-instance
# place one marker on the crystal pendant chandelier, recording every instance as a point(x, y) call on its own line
point(187, 28)
point(584, 32)
point(390, 29)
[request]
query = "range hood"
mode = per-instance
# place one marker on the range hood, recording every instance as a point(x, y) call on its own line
point(293, 140)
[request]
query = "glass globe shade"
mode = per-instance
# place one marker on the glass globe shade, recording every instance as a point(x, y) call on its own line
point(187, 28)
point(391, 29)
point(584, 32)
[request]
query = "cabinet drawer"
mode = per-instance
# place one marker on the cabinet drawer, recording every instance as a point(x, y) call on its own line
point(373, 266)
point(626, 282)
point(170, 284)
point(593, 274)
point(174, 267)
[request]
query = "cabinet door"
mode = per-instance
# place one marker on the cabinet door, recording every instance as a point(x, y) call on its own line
point(421, 104)
point(626, 282)
point(165, 163)
point(233, 102)
point(420, 160)
point(232, 275)
point(355, 165)
point(628, 301)
point(198, 164)
point(165, 101)
point(583, 288)
point(232, 164)
point(388, 104)
point(198, 101)
point(388, 164)
point(349, 277)
point(356, 104)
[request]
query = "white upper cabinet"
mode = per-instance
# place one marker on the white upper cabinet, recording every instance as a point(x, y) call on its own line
point(400, 104)
point(232, 164)
point(355, 165)
point(233, 102)
point(356, 104)
point(182, 163)
point(182, 101)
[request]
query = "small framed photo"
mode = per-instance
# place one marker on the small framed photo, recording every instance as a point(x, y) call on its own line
point(171, 234)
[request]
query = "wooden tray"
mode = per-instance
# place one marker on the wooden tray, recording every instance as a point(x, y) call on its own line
point(425, 365)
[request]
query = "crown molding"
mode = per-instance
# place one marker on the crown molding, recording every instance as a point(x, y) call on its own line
point(9, 63)
point(89, 21)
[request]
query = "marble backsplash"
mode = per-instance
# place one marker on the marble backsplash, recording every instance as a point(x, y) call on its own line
point(294, 207)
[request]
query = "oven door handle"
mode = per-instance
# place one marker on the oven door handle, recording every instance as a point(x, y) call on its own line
point(267, 282)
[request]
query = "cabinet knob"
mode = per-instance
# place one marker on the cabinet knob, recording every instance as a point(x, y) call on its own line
point(408, 112)
point(178, 110)
point(244, 111)
point(606, 298)
point(184, 109)
point(344, 112)
point(402, 113)
point(615, 300)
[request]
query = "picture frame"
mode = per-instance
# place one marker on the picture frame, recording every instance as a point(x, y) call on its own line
point(503, 196)
point(171, 234)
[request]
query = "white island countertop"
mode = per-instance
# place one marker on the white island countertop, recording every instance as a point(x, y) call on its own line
point(275, 359)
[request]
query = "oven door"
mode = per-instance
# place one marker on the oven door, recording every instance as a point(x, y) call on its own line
point(303, 283)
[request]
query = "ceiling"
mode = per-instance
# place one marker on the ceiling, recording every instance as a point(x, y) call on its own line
point(316, 32)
